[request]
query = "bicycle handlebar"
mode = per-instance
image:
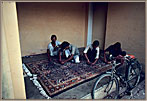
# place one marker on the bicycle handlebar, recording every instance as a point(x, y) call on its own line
point(115, 64)
point(127, 58)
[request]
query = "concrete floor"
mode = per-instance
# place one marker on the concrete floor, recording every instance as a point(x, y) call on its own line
point(31, 90)
point(80, 91)
point(77, 92)
point(138, 92)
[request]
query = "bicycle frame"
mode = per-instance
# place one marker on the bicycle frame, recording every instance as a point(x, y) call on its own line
point(113, 74)
point(117, 78)
point(123, 79)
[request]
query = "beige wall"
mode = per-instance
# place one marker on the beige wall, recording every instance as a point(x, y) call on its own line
point(38, 21)
point(7, 88)
point(126, 24)
point(99, 22)
point(12, 74)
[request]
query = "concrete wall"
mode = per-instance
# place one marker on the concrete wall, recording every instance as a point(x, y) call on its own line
point(12, 74)
point(7, 88)
point(99, 22)
point(126, 24)
point(38, 21)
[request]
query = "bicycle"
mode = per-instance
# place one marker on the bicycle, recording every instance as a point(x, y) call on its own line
point(107, 85)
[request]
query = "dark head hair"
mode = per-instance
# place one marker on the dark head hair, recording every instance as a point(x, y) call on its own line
point(64, 45)
point(95, 43)
point(117, 45)
point(53, 36)
point(123, 53)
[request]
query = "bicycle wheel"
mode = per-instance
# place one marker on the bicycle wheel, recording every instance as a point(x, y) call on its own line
point(105, 87)
point(134, 74)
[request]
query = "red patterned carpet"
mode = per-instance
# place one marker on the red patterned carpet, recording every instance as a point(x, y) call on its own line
point(55, 77)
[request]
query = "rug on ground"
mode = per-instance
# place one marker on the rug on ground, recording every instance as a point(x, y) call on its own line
point(55, 77)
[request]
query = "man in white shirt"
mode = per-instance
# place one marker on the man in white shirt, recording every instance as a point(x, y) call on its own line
point(70, 52)
point(53, 47)
point(91, 53)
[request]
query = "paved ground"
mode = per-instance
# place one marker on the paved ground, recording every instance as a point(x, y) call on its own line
point(137, 93)
point(79, 91)
point(76, 92)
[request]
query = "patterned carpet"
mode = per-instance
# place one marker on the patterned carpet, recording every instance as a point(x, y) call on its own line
point(55, 77)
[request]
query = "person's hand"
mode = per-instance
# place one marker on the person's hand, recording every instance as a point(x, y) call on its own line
point(119, 56)
point(108, 62)
point(88, 62)
point(92, 63)
point(62, 62)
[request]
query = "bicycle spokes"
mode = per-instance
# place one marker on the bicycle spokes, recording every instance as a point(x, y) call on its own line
point(105, 87)
point(133, 75)
point(108, 87)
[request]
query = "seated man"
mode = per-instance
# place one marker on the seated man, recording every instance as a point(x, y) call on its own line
point(91, 52)
point(70, 52)
point(114, 51)
point(53, 47)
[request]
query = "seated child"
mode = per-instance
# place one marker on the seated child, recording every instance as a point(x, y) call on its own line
point(113, 52)
point(70, 52)
point(91, 53)
point(53, 47)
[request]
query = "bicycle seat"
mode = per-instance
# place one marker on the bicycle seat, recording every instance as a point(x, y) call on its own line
point(130, 56)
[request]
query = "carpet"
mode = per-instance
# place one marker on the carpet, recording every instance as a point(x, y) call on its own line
point(56, 78)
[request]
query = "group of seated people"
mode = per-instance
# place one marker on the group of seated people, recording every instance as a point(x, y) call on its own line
point(71, 53)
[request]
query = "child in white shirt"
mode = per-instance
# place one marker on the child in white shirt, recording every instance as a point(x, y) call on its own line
point(91, 53)
point(70, 52)
point(53, 47)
